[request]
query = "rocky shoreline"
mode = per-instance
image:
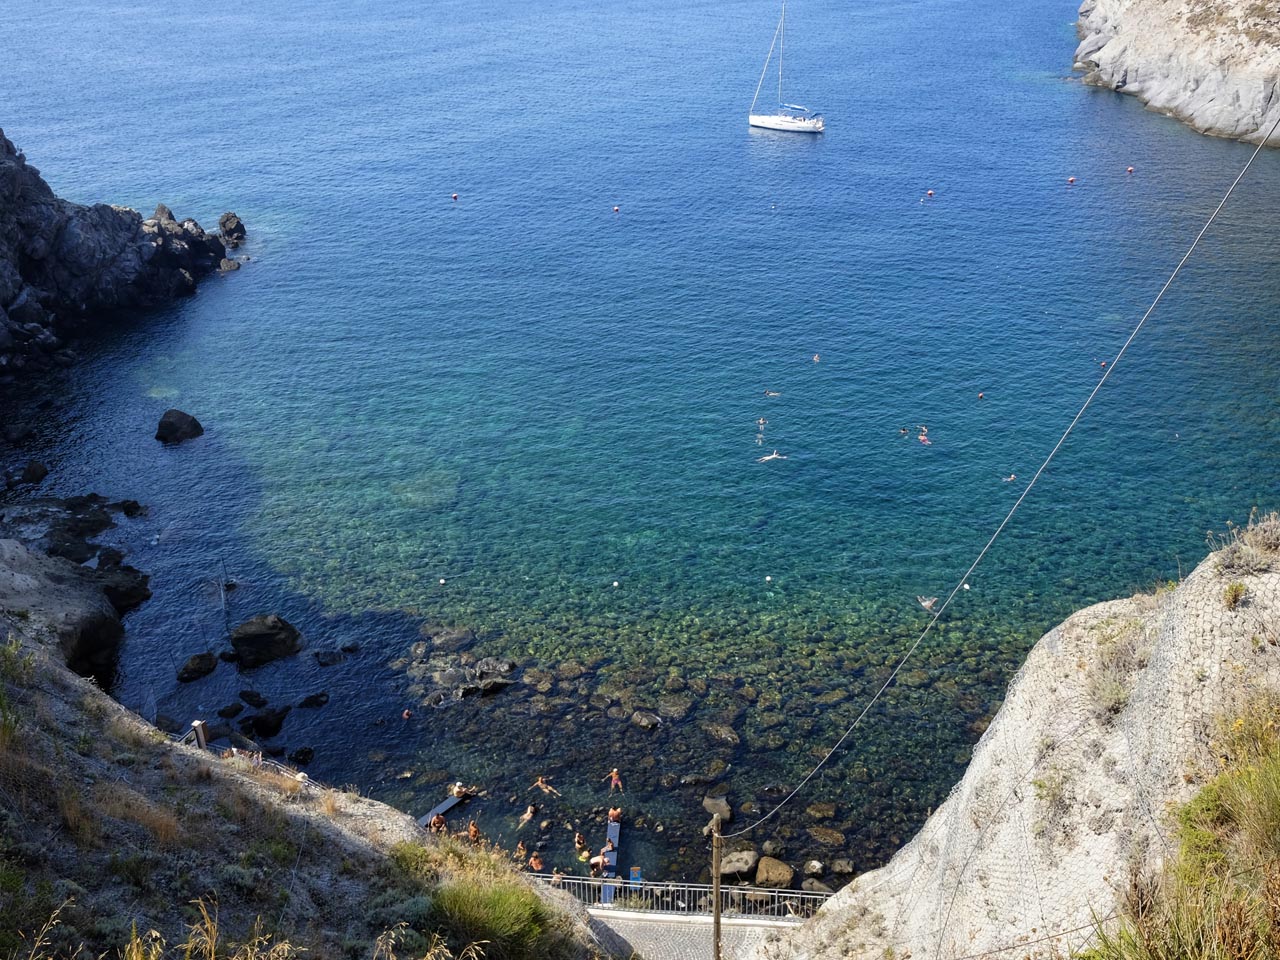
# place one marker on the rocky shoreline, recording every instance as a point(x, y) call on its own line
point(1215, 67)
point(65, 266)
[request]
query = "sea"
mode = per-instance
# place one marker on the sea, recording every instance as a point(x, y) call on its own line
point(525, 304)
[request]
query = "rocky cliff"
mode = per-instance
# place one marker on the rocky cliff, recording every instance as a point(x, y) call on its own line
point(62, 264)
point(1067, 798)
point(1214, 64)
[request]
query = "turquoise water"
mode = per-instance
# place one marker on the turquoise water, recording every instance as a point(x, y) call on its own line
point(532, 397)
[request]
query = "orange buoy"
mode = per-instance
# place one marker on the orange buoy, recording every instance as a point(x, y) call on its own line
point(455, 196)
point(1071, 180)
point(1128, 169)
point(928, 193)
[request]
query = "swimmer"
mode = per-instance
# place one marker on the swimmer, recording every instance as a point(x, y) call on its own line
point(615, 780)
point(772, 393)
point(541, 784)
point(1010, 478)
point(580, 843)
point(761, 422)
point(904, 431)
point(927, 602)
point(407, 713)
point(535, 862)
point(816, 358)
point(520, 851)
point(771, 456)
point(615, 814)
point(528, 815)
point(925, 440)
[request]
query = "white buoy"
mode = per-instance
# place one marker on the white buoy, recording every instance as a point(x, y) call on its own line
point(442, 581)
point(966, 586)
point(768, 579)
point(615, 583)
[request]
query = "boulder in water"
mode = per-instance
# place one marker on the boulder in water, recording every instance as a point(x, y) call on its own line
point(264, 638)
point(176, 426)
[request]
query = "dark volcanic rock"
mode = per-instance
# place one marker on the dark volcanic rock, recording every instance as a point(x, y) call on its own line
point(176, 426)
point(315, 700)
point(253, 698)
point(264, 638)
point(34, 472)
point(226, 266)
point(327, 658)
point(197, 666)
point(232, 228)
point(265, 724)
point(231, 710)
point(64, 266)
point(302, 756)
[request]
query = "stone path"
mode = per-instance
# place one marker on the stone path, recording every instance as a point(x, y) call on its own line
point(629, 935)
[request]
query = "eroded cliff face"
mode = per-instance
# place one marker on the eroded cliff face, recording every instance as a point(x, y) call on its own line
point(1069, 792)
point(1214, 64)
point(62, 264)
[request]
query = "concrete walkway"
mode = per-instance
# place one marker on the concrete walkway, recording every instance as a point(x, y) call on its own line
point(668, 937)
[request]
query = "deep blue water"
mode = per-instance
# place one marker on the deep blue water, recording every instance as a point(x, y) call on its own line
point(530, 396)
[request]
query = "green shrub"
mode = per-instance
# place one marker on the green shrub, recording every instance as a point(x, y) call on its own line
point(1234, 594)
point(509, 915)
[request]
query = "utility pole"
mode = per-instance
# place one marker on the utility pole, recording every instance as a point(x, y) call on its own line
point(715, 885)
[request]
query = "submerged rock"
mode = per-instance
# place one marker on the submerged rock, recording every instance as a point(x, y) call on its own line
point(739, 863)
point(197, 666)
point(176, 426)
point(264, 638)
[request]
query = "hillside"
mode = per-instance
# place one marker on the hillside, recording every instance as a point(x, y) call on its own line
point(1066, 805)
point(106, 818)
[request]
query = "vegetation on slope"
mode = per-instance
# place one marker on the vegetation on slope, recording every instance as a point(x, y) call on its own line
point(115, 841)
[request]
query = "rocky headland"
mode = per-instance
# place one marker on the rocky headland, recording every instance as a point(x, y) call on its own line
point(63, 265)
point(1068, 804)
point(1214, 64)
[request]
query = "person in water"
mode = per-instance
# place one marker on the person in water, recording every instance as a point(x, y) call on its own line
point(615, 780)
point(579, 842)
point(535, 862)
point(520, 850)
point(598, 863)
point(771, 456)
point(541, 784)
point(528, 815)
point(438, 824)
point(615, 814)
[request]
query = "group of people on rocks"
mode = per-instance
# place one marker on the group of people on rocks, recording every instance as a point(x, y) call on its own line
point(596, 864)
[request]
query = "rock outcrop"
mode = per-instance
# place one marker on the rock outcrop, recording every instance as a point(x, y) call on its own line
point(264, 638)
point(176, 426)
point(62, 264)
point(1068, 796)
point(1214, 64)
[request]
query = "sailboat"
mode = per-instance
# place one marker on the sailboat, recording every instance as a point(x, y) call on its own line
point(789, 116)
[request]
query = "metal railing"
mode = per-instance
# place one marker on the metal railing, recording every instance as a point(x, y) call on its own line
point(689, 899)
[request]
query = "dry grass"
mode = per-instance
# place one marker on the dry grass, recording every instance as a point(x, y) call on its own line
point(1122, 648)
point(117, 801)
point(281, 783)
point(79, 822)
point(1248, 550)
point(329, 803)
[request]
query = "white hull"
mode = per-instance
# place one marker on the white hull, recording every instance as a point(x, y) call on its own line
point(782, 121)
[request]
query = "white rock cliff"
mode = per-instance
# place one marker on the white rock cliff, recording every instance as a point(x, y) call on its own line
point(1214, 64)
point(1067, 797)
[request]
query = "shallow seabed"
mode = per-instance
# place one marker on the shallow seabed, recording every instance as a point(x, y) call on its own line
point(486, 412)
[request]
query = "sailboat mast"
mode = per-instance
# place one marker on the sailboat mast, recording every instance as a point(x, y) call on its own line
point(782, 42)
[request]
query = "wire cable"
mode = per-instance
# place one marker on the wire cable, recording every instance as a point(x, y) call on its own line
point(1021, 497)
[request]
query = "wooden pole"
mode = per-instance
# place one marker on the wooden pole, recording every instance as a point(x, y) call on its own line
point(715, 885)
